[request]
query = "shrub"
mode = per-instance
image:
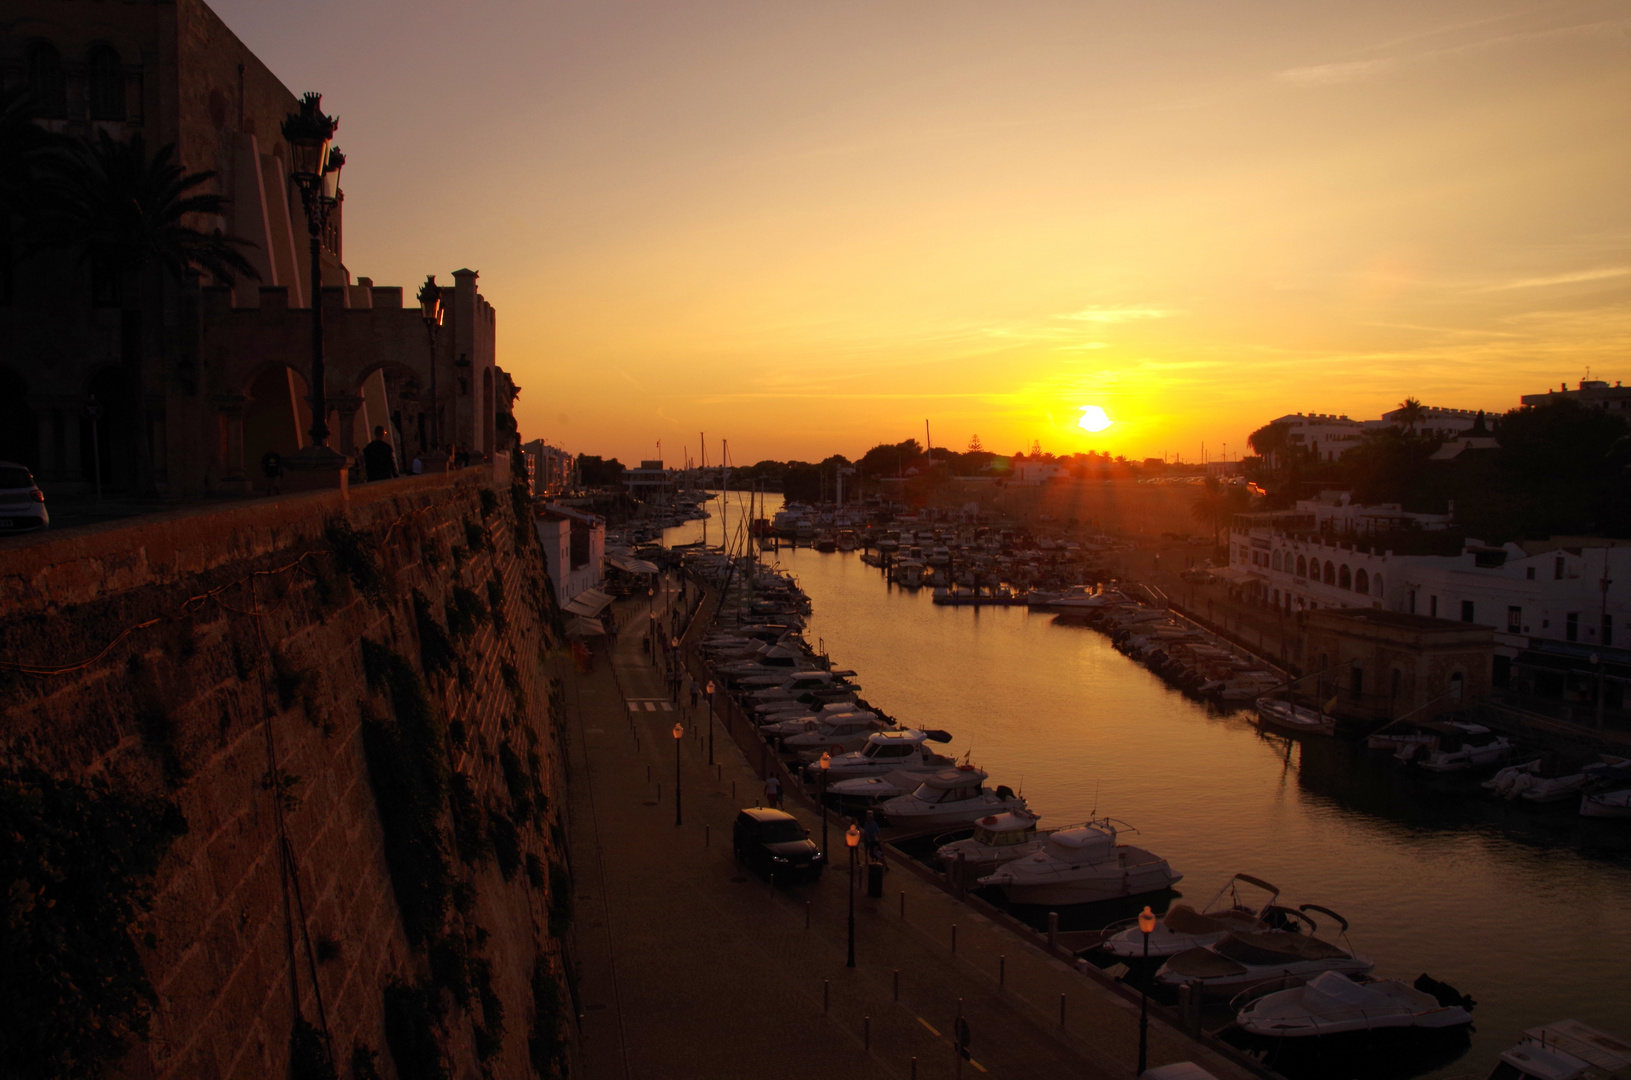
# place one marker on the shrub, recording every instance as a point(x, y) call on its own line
point(410, 1031)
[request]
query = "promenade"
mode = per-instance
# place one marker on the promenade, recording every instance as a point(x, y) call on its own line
point(690, 966)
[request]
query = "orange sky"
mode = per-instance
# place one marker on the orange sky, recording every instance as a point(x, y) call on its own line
point(808, 227)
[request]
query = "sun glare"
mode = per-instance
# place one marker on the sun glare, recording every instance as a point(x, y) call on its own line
point(1093, 418)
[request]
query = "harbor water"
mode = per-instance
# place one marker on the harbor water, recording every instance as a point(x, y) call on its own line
point(1526, 908)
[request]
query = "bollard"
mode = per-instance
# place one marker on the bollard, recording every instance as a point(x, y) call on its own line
point(953, 937)
point(719, 772)
point(1061, 1010)
point(659, 791)
point(903, 903)
point(914, 1068)
point(1053, 929)
point(897, 984)
point(806, 914)
point(707, 836)
point(826, 995)
point(1002, 972)
point(733, 791)
point(867, 1021)
point(648, 774)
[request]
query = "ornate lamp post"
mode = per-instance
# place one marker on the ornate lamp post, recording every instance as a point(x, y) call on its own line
point(711, 720)
point(826, 763)
point(1146, 924)
point(674, 670)
point(679, 733)
point(852, 837)
point(315, 165)
point(431, 310)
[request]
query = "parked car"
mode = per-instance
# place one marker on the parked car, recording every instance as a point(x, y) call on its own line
point(776, 844)
point(22, 503)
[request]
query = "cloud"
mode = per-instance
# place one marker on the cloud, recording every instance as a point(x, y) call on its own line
point(1331, 74)
point(1560, 279)
point(1115, 315)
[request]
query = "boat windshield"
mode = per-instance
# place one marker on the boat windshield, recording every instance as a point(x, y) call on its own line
point(887, 750)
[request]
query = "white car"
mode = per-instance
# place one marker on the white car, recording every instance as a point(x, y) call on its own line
point(22, 503)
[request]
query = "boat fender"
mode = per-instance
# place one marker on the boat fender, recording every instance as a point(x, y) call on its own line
point(989, 819)
point(965, 768)
point(838, 748)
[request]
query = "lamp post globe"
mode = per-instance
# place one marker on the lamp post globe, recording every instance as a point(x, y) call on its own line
point(1146, 925)
point(852, 837)
point(825, 761)
point(679, 733)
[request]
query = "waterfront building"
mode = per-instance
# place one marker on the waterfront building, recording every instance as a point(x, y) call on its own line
point(1594, 393)
point(1380, 665)
point(1324, 435)
point(650, 482)
point(549, 468)
point(574, 544)
point(181, 387)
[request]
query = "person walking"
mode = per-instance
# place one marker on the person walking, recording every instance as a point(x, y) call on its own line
point(873, 837)
point(378, 459)
point(773, 792)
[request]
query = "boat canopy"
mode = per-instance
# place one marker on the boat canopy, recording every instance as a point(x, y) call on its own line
point(1079, 840)
point(951, 779)
point(1273, 947)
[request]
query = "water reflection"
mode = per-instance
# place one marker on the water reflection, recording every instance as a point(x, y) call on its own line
point(1522, 907)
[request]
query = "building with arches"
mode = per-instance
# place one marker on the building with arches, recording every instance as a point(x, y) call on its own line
point(181, 387)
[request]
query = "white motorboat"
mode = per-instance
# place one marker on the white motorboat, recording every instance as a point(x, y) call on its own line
point(1288, 716)
point(1079, 602)
point(909, 572)
point(1185, 928)
point(1442, 746)
point(1606, 804)
point(839, 735)
point(948, 798)
point(997, 839)
point(800, 722)
point(1503, 782)
point(1081, 864)
point(1565, 1050)
point(1244, 960)
point(1330, 1005)
point(867, 790)
point(886, 751)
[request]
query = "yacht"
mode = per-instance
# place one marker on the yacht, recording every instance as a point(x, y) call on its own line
point(1606, 804)
point(886, 751)
point(1565, 1050)
point(997, 839)
point(797, 723)
point(1081, 864)
point(1084, 601)
point(909, 572)
point(1246, 959)
point(1185, 928)
point(1330, 1005)
point(869, 790)
point(846, 540)
point(949, 798)
point(839, 735)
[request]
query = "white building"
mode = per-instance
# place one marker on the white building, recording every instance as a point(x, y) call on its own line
point(1033, 471)
point(1325, 435)
point(1594, 393)
point(574, 545)
point(649, 482)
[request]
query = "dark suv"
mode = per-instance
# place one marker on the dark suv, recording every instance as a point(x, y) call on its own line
point(776, 844)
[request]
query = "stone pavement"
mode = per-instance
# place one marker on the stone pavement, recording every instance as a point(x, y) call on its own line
point(690, 966)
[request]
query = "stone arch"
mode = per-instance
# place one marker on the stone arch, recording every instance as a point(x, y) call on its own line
point(277, 416)
point(105, 83)
point(47, 81)
point(1345, 579)
point(1302, 566)
point(112, 441)
point(1330, 572)
point(1362, 581)
point(397, 395)
point(19, 428)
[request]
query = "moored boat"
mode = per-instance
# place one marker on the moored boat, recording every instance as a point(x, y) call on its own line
point(948, 798)
point(1331, 1007)
point(1288, 716)
point(1081, 864)
point(1185, 928)
point(1243, 960)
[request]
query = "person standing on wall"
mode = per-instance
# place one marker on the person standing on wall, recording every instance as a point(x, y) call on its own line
point(379, 460)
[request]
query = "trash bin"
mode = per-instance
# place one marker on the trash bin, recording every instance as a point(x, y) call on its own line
point(874, 879)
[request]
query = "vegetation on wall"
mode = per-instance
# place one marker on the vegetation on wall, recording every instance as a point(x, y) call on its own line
point(435, 647)
point(78, 860)
point(545, 1045)
point(358, 555)
point(411, 1031)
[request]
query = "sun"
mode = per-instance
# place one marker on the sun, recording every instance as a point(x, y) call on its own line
point(1093, 419)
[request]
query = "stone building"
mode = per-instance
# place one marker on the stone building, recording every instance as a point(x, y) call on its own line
point(1381, 665)
point(194, 381)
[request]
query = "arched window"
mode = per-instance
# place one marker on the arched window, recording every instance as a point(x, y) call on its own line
point(1362, 581)
point(1345, 578)
point(1330, 573)
point(1274, 560)
point(105, 81)
point(46, 81)
point(1302, 566)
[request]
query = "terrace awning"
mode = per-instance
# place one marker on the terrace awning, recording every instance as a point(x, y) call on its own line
point(629, 564)
point(580, 627)
point(589, 602)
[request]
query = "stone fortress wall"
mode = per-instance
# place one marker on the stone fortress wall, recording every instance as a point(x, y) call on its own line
point(259, 666)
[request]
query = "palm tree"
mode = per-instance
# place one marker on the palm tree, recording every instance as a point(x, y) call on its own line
point(1410, 413)
point(129, 217)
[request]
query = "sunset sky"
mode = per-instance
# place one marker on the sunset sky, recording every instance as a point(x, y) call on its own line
point(808, 227)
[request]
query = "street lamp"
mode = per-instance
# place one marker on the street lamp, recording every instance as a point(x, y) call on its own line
point(852, 837)
point(711, 719)
point(679, 733)
point(674, 670)
point(315, 166)
point(1146, 924)
point(431, 310)
point(826, 763)
point(93, 413)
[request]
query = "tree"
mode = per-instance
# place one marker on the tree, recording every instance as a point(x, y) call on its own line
point(1215, 504)
point(129, 217)
point(974, 446)
point(1272, 441)
point(594, 471)
point(1410, 413)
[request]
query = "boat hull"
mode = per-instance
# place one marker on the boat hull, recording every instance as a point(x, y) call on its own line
point(1088, 889)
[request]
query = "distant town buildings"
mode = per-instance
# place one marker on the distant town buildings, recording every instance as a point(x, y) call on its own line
point(1595, 393)
point(574, 544)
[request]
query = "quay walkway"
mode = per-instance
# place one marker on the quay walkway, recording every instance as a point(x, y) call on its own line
point(690, 966)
